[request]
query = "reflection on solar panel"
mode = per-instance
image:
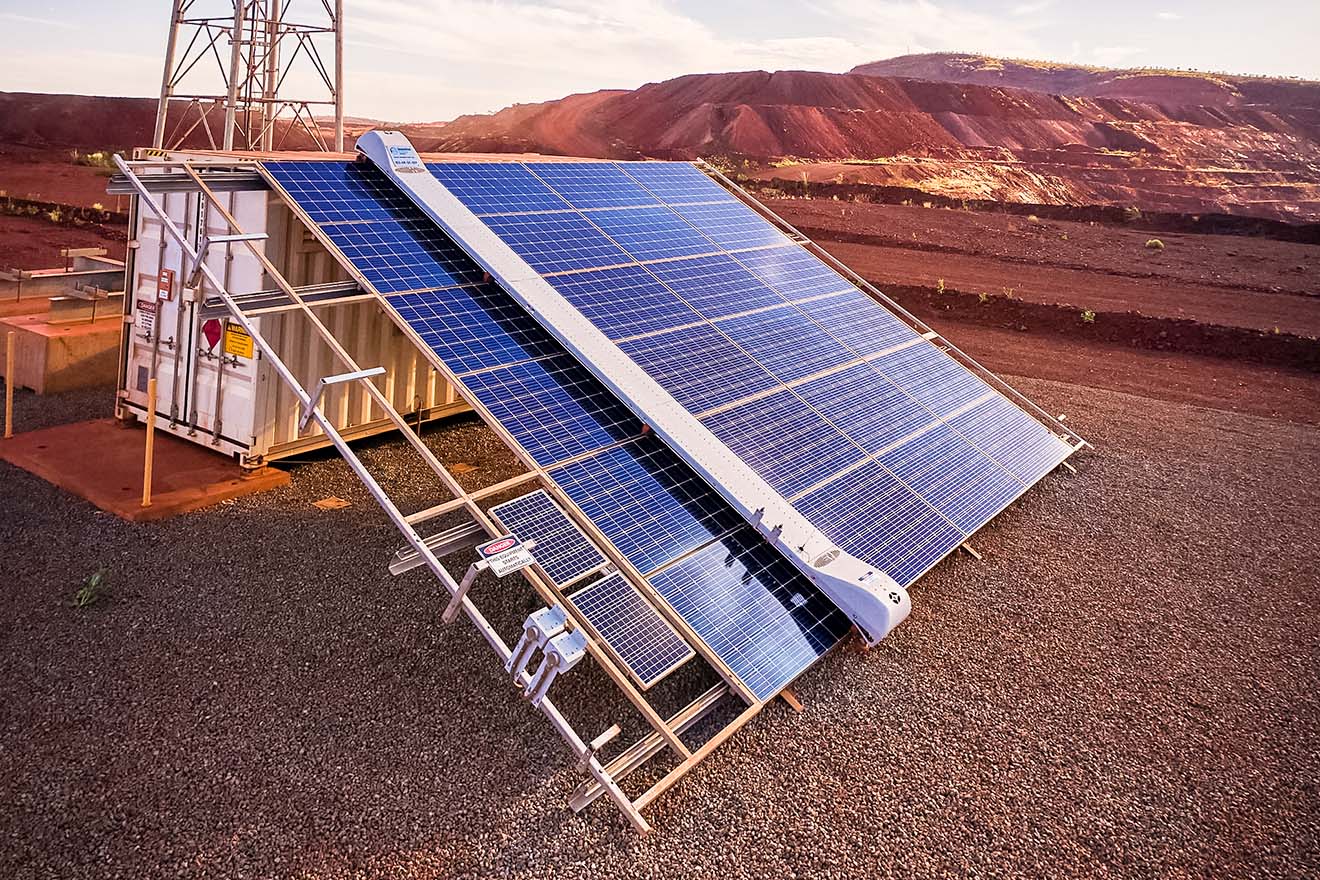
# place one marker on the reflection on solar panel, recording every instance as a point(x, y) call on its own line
point(562, 551)
point(647, 502)
point(836, 403)
point(646, 645)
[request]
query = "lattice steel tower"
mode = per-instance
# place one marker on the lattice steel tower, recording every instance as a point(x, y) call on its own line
point(256, 66)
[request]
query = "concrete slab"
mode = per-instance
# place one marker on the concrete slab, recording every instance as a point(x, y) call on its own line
point(51, 357)
point(101, 461)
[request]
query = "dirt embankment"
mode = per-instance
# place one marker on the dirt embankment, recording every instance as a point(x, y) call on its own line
point(1233, 297)
point(995, 143)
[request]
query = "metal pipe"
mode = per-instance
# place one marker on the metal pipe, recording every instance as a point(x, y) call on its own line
point(167, 78)
point(11, 340)
point(235, 60)
point(339, 76)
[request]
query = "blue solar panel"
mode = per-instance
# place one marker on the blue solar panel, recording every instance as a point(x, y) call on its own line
point(788, 444)
point(1012, 438)
point(932, 378)
point(626, 301)
point(794, 272)
point(700, 367)
point(592, 184)
point(860, 323)
point(865, 406)
point(874, 517)
point(561, 550)
point(675, 183)
point(474, 328)
point(732, 225)
point(786, 342)
point(632, 628)
point(652, 233)
point(956, 479)
point(496, 187)
point(390, 242)
point(715, 286)
point(557, 242)
point(553, 407)
point(646, 501)
point(749, 604)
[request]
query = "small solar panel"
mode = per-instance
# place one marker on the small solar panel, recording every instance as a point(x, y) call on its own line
point(563, 552)
point(634, 631)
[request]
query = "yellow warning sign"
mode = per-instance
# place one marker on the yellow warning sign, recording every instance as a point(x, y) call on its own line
point(237, 342)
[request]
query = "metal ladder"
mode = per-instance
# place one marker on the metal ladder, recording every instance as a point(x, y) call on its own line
point(418, 547)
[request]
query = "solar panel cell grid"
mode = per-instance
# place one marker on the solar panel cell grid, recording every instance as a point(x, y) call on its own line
point(622, 302)
point(562, 551)
point(553, 407)
point(496, 187)
point(646, 501)
point(632, 628)
point(745, 601)
point(654, 233)
point(557, 242)
point(790, 446)
point(698, 366)
point(587, 185)
point(786, 342)
point(732, 225)
point(675, 183)
point(474, 328)
point(715, 286)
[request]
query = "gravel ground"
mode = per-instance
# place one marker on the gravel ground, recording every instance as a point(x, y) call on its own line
point(1125, 686)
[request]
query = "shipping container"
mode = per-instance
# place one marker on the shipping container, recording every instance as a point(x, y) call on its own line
point(213, 388)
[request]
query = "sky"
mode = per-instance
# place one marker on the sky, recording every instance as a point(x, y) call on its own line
point(430, 60)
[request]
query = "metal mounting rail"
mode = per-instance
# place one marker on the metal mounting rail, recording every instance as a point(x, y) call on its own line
point(582, 751)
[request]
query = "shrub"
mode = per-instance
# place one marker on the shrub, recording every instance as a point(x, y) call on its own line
point(1155, 245)
point(1088, 316)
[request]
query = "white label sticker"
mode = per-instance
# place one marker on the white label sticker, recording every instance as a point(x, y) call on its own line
point(146, 316)
point(405, 159)
point(505, 555)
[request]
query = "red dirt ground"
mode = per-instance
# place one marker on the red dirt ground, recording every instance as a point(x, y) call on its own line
point(32, 243)
point(52, 176)
point(1212, 382)
point(1230, 281)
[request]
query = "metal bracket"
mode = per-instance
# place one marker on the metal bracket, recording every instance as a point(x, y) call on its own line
point(538, 628)
point(360, 375)
point(468, 534)
point(560, 655)
point(597, 744)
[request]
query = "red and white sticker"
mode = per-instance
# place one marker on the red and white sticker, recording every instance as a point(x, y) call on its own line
point(505, 555)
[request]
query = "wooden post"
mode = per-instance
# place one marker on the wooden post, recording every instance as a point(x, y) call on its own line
point(10, 341)
point(151, 441)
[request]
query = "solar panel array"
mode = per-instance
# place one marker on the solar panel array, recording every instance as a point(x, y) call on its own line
point(635, 631)
point(642, 497)
point(562, 551)
point(879, 438)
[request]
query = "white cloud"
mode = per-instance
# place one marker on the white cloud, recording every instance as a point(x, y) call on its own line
point(486, 54)
point(1169, 16)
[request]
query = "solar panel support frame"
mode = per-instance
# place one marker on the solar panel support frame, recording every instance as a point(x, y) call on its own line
point(870, 598)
